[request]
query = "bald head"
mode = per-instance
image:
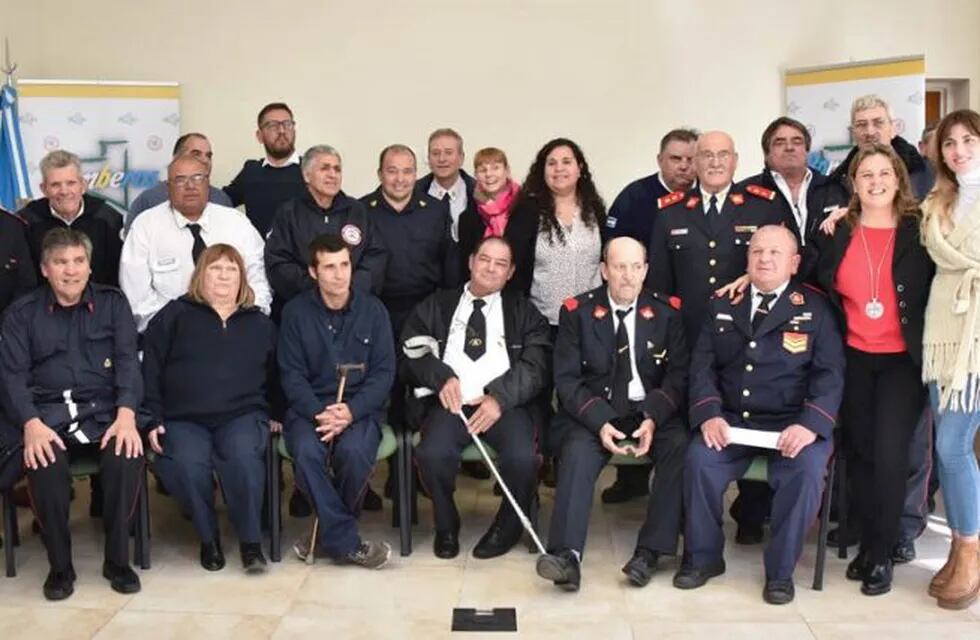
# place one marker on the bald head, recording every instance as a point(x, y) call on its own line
point(773, 257)
point(715, 160)
point(624, 268)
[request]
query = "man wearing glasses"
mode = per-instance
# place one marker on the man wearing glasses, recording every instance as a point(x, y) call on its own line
point(263, 185)
point(165, 241)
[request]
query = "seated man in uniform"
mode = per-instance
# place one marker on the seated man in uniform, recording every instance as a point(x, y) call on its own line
point(621, 366)
point(771, 361)
point(333, 342)
point(69, 367)
point(488, 355)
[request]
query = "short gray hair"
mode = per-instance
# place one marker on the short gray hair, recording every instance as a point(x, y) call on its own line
point(319, 150)
point(871, 101)
point(59, 159)
point(64, 238)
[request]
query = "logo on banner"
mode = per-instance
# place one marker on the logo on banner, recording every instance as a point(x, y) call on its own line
point(111, 176)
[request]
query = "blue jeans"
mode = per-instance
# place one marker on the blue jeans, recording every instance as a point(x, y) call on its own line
point(959, 474)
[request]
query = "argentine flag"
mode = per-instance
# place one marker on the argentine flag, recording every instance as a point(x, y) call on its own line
point(13, 166)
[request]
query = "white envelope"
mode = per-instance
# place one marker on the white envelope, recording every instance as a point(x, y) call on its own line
point(754, 437)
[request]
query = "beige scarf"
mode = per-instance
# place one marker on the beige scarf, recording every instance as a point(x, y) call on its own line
point(951, 341)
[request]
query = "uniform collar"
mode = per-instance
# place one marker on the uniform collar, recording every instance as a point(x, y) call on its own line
point(87, 300)
point(620, 307)
point(706, 197)
point(778, 291)
point(55, 214)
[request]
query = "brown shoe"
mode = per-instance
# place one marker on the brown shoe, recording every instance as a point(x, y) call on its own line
point(963, 586)
point(942, 576)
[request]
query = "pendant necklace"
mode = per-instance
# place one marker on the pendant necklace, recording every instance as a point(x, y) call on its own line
point(874, 309)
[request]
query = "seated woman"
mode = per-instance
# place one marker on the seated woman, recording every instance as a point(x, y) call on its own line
point(208, 360)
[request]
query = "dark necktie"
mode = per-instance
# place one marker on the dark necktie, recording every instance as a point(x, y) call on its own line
point(476, 332)
point(714, 218)
point(762, 311)
point(624, 371)
point(199, 245)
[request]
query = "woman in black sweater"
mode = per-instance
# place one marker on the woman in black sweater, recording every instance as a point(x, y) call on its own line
point(208, 364)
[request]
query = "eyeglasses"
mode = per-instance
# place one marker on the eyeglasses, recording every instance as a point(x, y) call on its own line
point(863, 125)
point(709, 156)
point(276, 125)
point(195, 180)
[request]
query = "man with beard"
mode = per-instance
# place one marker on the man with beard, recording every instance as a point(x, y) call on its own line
point(263, 185)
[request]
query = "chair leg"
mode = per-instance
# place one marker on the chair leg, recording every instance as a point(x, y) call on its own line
point(842, 505)
point(405, 487)
point(9, 532)
point(825, 502)
point(272, 499)
point(143, 523)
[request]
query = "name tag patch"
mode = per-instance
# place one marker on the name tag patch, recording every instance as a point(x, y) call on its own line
point(679, 232)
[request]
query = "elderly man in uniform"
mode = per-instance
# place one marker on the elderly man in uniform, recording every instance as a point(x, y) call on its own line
point(69, 367)
point(334, 440)
point(488, 355)
point(621, 366)
point(772, 361)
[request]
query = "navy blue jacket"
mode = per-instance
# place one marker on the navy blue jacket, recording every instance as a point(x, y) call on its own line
point(422, 185)
point(314, 340)
point(17, 271)
point(791, 371)
point(635, 208)
point(263, 188)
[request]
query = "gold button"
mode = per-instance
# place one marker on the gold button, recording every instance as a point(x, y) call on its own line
point(712, 280)
point(712, 262)
point(746, 414)
point(752, 345)
point(749, 367)
point(712, 244)
point(746, 393)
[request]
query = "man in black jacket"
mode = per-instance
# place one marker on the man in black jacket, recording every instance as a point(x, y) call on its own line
point(486, 354)
point(448, 181)
point(66, 205)
point(621, 365)
point(323, 209)
point(17, 272)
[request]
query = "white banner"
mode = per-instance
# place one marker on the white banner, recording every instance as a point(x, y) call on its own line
point(821, 99)
point(124, 132)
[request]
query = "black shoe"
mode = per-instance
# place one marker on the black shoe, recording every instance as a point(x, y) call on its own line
point(641, 566)
point(372, 501)
point(691, 577)
point(252, 559)
point(496, 541)
point(122, 579)
point(748, 533)
point(212, 558)
point(446, 544)
point(476, 470)
point(851, 539)
point(59, 584)
point(779, 591)
point(299, 506)
point(621, 491)
point(903, 552)
point(878, 579)
point(858, 567)
point(561, 568)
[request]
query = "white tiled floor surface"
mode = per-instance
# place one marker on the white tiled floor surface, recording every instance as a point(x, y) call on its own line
point(413, 597)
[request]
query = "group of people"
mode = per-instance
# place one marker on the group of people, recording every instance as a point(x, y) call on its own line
point(830, 312)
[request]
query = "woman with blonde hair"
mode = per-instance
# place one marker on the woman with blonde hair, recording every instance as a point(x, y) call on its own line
point(951, 356)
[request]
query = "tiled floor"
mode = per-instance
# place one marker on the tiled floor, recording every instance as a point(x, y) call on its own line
point(413, 597)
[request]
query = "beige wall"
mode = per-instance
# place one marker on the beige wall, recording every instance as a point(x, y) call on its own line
point(613, 75)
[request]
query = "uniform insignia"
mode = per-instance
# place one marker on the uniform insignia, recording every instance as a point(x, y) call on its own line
point(660, 356)
point(611, 222)
point(724, 316)
point(599, 312)
point(570, 304)
point(373, 203)
point(796, 299)
point(795, 342)
point(669, 199)
point(692, 202)
point(422, 203)
point(761, 192)
point(679, 232)
point(107, 364)
point(746, 228)
point(475, 342)
point(675, 302)
point(646, 312)
point(351, 234)
point(737, 199)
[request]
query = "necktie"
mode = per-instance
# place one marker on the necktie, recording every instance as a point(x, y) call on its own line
point(199, 245)
point(624, 371)
point(714, 218)
point(762, 311)
point(713, 206)
point(476, 332)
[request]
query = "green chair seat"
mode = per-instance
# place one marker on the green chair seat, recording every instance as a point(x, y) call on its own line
point(758, 470)
point(387, 446)
point(470, 453)
point(83, 466)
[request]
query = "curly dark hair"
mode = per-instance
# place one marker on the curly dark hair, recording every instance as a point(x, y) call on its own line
point(536, 193)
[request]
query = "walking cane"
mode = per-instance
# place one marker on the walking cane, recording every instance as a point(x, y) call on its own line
point(343, 370)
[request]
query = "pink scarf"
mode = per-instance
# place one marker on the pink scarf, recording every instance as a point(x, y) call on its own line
point(495, 212)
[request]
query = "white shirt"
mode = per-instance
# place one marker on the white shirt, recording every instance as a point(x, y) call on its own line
point(293, 159)
point(798, 206)
point(635, 391)
point(757, 301)
point(81, 210)
point(475, 375)
point(156, 264)
point(721, 195)
point(457, 200)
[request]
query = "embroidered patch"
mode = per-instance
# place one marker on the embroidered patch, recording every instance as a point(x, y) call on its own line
point(646, 312)
point(599, 312)
point(692, 202)
point(570, 304)
point(675, 302)
point(796, 299)
point(669, 199)
point(746, 228)
point(737, 199)
point(795, 342)
point(351, 235)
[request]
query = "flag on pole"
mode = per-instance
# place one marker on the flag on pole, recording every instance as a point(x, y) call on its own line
point(14, 183)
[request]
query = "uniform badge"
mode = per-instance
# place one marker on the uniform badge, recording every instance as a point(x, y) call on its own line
point(795, 342)
point(692, 202)
point(570, 304)
point(746, 228)
point(646, 312)
point(422, 203)
point(679, 232)
point(475, 342)
point(761, 192)
point(796, 299)
point(373, 203)
point(351, 235)
point(737, 199)
point(675, 302)
point(599, 312)
point(107, 364)
point(611, 222)
point(669, 199)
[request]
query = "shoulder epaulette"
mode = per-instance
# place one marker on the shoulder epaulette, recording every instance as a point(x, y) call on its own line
point(761, 192)
point(669, 199)
point(815, 289)
point(570, 304)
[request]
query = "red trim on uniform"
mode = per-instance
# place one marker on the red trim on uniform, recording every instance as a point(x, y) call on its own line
point(706, 401)
point(675, 302)
point(669, 399)
point(587, 404)
point(815, 288)
point(570, 304)
point(821, 412)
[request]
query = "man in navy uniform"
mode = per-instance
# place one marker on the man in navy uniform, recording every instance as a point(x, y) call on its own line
point(633, 211)
point(487, 354)
point(621, 366)
point(72, 385)
point(772, 361)
point(333, 443)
